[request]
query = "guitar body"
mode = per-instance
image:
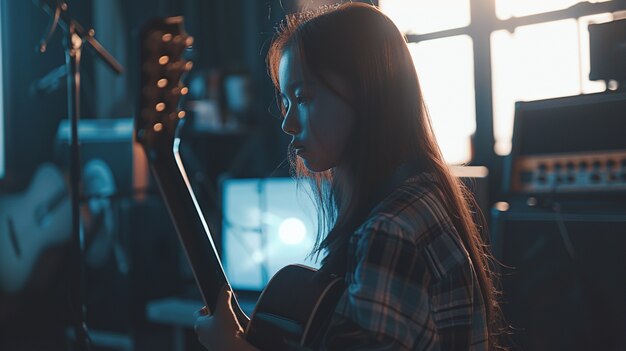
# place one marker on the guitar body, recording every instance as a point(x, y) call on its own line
point(294, 309)
point(297, 304)
point(30, 223)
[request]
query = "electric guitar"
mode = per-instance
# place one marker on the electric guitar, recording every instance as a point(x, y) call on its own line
point(297, 304)
point(30, 223)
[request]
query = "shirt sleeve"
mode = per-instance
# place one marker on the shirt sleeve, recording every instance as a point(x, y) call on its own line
point(386, 305)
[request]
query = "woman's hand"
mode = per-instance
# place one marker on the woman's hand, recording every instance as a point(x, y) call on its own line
point(221, 331)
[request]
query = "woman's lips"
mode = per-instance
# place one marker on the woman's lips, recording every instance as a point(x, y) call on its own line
point(297, 148)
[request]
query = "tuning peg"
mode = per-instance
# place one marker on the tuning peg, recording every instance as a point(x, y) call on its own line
point(162, 83)
point(163, 60)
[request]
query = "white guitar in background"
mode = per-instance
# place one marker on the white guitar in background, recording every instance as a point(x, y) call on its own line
point(30, 222)
point(39, 219)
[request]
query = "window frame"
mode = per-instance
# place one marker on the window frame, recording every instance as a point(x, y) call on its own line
point(483, 22)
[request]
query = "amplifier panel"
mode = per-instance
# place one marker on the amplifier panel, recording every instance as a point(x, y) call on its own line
point(580, 172)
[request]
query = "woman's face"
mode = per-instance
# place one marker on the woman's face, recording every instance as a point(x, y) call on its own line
point(319, 120)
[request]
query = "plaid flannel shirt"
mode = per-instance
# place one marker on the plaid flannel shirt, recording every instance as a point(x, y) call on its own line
point(411, 284)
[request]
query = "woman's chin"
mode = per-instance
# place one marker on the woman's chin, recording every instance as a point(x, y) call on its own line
point(315, 167)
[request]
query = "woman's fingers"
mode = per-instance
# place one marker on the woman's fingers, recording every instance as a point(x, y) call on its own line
point(223, 302)
point(219, 331)
point(204, 311)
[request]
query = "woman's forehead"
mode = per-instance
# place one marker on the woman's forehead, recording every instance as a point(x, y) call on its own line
point(292, 71)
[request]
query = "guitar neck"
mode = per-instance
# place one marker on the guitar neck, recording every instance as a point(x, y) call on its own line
point(191, 227)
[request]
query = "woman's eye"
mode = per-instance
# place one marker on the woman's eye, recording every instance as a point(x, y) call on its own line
point(301, 99)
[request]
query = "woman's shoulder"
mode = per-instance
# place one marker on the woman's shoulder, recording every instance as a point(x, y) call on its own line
point(413, 211)
point(413, 217)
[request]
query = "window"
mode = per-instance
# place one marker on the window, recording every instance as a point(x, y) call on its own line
point(445, 68)
point(506, 9)
point(539, 61)
point(420, 17)
point(537, 50)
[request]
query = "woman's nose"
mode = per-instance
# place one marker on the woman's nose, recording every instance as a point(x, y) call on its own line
point(290, 123)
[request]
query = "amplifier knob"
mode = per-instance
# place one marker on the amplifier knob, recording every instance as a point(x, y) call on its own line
point(610, 163)
point(597, 164)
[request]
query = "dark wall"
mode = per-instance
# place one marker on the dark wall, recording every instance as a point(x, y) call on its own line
point(31, 119)
point(228, 34)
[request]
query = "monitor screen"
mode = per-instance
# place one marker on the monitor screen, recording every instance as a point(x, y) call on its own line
point(267, 224)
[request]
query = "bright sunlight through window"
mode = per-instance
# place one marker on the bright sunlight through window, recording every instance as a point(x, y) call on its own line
point(506, 9)
point(445, 68)
point(535, 62)
point(426, 16)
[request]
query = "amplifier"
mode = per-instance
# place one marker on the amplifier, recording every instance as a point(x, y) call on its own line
point(110, 140)
point(574, 144)
point(562, 274)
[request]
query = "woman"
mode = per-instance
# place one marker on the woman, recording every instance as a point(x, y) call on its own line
point(399, 225)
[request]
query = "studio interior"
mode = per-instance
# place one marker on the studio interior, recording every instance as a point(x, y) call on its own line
point(105, 244)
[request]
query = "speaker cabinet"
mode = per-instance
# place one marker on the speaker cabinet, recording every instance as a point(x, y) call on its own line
point(562, 275)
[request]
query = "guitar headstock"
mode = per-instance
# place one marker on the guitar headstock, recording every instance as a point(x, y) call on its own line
point(163, 65)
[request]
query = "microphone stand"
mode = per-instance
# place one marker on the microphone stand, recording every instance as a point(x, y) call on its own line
point(75, 37)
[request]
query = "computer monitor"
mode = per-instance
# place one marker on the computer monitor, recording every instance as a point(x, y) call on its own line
point(267, 223)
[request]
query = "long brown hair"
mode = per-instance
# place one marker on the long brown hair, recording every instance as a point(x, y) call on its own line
point(360, 44)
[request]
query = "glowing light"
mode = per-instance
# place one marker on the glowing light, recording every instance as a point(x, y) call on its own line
point(257, 257)
point(292, 231)
point(160, 107)
point(162, 83)
point(163, 60)
point(502, 206)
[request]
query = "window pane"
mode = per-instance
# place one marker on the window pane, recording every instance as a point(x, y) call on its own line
point(445, 68)
point(506, 9)
point(424, 16)
point(536, 62)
